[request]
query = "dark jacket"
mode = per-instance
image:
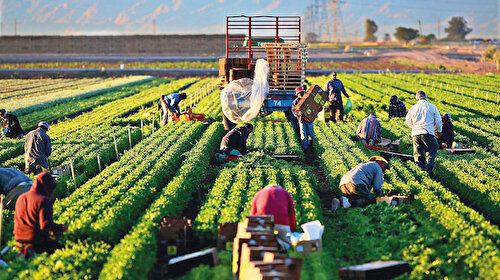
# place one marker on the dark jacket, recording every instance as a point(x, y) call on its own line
point(235, 139)
point(37, 148)
point(12, 124)
point(10, 177)
point(397, 110)
point(333, 89)
point(172, 101)
point(33, 215)
point(448, 134)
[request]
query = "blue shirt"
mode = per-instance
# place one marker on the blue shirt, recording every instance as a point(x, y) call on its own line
point(172, 101)
point(333, 88)
point(369, 174)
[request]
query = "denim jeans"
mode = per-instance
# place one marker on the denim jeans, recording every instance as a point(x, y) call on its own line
point(424, 151)
point(358, 195)
point(306, 134)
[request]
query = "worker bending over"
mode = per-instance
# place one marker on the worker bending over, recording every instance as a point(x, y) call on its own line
point(170, 105)
point(276, 201)
point(369, 130)
point(397, 108)
point(333, 88)
point(448, 135)
point(34, 226)
point(234, 143)
point(357, 184)
point(13, 183)
point(37, 149)
point(306, 127)
point(11, 127)
point(424, 119)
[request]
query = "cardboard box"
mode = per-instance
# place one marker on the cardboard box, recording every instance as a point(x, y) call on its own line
point(394, 200)
point(61, 170)
point(307, 247)
point(312, 103)
point(374, 270)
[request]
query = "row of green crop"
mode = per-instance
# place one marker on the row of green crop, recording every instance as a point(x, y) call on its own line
point(231, 195)
point(73, 107)
point(118, 108)
point(135, 255)
point(210, 106)
point(12, 148)
point(30, 104)
point(275, 138)
point(150, 111)
point(20, 88)
point(471, 242)
point(121, 190)
point(466, 103)
point(371, 89)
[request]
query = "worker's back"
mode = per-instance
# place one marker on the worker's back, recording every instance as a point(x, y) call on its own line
point(276, 201)
point(10, 177)
point(37, 147)
point(235, 138)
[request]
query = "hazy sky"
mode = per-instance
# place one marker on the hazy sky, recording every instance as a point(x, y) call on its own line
point(100, 17)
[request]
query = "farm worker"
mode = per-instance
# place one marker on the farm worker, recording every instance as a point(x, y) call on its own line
point(306, 127)
point(170, 105)
point(33, 222)
point(333, 88)
point(448, 135)
point(10, 125)
point(369, 130)
point(276, 201)
point(290, 116)
point(13, 183)
point(424, 119)
point(397, 108)
point(356, 185)
point(234, 143)
point(37, 149)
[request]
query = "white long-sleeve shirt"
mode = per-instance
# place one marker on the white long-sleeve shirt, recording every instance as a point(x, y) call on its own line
point(424, 118)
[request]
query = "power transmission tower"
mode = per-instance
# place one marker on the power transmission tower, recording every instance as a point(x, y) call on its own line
point(334, 9)
point(325, 20)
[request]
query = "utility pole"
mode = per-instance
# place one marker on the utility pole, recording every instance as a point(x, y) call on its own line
point(420, 28)
point(154, 26)
point(15, 27)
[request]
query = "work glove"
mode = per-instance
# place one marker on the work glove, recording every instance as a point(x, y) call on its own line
point(5, 131)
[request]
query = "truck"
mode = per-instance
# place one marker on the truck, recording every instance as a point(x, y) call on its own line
point(274, 38)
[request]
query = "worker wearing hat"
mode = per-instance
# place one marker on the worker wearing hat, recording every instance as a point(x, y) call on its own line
point(426, 125)
point(357, 184)
point(306, 127)
point(37, 149)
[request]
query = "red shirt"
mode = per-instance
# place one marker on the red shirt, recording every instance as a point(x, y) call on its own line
point(276, 201)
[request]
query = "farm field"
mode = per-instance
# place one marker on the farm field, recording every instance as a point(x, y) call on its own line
point(114, 205)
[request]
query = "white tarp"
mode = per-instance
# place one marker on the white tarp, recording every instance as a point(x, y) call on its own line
point(241, 99)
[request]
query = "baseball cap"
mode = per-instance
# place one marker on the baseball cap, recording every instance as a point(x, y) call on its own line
point(44, 124)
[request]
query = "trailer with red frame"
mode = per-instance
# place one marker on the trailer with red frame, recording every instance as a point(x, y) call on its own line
point(274, 38)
